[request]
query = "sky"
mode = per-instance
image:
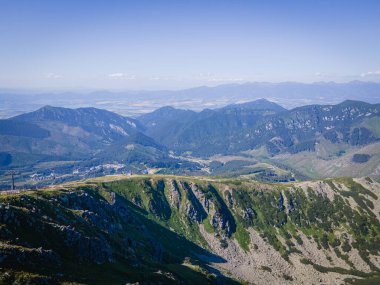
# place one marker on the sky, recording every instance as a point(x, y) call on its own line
point(109, 44)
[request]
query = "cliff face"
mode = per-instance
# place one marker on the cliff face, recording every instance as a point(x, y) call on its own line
point(173, 229)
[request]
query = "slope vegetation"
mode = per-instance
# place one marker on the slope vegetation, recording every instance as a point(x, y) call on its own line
point(173, 229)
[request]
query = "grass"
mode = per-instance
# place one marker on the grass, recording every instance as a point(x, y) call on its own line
point(373, 124)
point(242, 236)
point(266, 268)
point(314, 215)
point(207, 226)
point(324, 269)
point(374, 280)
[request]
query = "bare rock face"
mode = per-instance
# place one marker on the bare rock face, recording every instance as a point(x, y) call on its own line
point(202, 198)
point(194, 209)
point(249, 214)
point(192, 213)
point(222, 224)
point(137, 201)
point(280, 205)
point(174, 194)
point(222, 220)
point(290, 206)
point(230, 200)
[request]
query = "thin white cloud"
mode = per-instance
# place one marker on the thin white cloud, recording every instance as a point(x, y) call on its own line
point(165, 78)
point(116, 75)
point(52, 75)
point(120, 75)
point(225, 79)
point(370, 73)
point(216, 78)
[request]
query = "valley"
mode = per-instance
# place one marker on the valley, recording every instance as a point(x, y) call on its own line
point(258, 139)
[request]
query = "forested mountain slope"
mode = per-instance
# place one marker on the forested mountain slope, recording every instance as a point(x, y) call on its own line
point(262, 123)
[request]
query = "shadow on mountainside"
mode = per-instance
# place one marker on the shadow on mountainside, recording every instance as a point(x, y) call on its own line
point(79, 236)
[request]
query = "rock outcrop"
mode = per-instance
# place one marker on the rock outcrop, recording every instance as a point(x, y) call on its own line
point(152, 228)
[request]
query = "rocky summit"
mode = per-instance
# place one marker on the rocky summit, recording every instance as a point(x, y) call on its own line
point(162, 229)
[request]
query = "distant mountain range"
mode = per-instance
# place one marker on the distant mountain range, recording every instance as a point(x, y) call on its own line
point(251, 125)
point(135, 103)
point(170, 138)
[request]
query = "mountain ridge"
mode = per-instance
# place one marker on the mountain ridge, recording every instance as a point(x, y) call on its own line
point(220, 133)
point(175, 229)
point(88, 137)
point(261, 136)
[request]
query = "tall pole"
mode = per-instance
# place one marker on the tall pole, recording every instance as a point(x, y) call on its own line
point(12, 173)
point(13, 180)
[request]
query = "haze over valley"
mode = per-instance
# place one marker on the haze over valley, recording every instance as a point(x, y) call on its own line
point(137, 102)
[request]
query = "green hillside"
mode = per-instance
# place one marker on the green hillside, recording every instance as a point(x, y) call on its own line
point(173, 229)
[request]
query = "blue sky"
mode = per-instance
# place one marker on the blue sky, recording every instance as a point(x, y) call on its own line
point(157, 44)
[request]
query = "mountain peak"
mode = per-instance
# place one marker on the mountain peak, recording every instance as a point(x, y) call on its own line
point(167, 112)
point(54, 113)
point(106, 124)
point(259, 104)
point(349, 102)
point(353, 103)
point(46, 107)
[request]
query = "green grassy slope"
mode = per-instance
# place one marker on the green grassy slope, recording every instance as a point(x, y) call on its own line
point(148, 228)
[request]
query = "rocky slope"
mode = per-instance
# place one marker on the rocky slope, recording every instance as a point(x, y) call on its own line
point(180, 230)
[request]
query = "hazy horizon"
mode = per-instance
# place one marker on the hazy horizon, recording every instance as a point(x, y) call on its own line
point(136, 102)
point(88, 89)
